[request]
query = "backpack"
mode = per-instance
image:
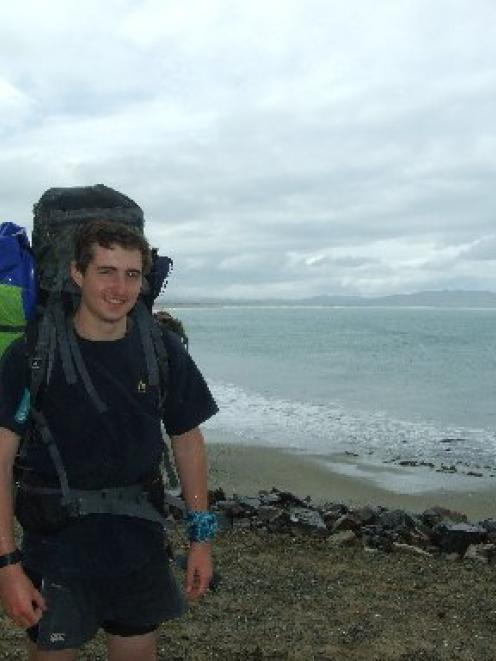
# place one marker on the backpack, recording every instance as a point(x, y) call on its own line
point(17, 283)
point(58, 216)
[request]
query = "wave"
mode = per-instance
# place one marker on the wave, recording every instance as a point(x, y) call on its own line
point(250, 417)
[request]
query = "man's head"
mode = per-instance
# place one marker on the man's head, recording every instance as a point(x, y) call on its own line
point(107, 234)
point(110, 261)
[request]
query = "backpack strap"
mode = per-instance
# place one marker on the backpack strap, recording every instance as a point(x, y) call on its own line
point(100, 405)
point(53, 451)
point(145, 321)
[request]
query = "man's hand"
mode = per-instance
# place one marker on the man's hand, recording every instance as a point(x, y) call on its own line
point(199, 570)
point(21, 601)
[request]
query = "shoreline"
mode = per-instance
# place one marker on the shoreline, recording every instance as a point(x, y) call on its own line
point(353, 480)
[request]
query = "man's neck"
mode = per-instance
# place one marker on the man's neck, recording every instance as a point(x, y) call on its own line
point(99, 331)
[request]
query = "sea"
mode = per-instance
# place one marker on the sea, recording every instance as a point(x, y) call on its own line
point(400, 385)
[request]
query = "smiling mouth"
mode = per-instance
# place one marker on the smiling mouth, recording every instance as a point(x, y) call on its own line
point(115, 301)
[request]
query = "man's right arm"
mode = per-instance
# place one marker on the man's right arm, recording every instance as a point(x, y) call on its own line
point(20, 599)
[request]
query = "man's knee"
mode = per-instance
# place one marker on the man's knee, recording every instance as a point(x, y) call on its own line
point(130, 648)
point(34, 654)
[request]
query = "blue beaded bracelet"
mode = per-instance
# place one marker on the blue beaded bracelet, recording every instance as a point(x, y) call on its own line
point(201, 526)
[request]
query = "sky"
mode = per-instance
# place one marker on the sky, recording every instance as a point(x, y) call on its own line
point(278, 148)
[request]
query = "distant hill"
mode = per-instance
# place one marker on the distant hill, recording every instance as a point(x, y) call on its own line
point(435, 299)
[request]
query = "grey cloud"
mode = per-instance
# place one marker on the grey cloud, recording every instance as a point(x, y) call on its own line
point(252, 132)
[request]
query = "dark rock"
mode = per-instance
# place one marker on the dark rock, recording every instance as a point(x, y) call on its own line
point(215, 495)
point(366, 515)
point(435, 515)
point(224, 521)
point(248, 502)
point(396, 519)
point(457, 537)
point(286, 498)
point(268, 513)
point(489, 525)
point(345, 522)
point(307, 518)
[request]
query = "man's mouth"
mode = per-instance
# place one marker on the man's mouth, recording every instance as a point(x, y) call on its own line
point(115, 301)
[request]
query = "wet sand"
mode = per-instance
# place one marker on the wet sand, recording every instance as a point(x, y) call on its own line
point(348, 479)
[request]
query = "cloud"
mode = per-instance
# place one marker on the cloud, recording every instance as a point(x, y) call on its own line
point(362, 142)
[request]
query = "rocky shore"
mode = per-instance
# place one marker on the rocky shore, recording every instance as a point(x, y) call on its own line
point(301, 581)
point(331, 577)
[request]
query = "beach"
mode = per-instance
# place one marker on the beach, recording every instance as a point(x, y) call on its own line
point(352, 480)
point(300, 598)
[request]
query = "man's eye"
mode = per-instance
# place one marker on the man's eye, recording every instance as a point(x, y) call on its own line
point(133, 274)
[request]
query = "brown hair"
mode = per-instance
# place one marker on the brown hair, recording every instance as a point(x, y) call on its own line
point(106, 234)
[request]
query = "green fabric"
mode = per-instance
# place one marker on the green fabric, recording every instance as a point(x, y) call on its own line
point(11, 313)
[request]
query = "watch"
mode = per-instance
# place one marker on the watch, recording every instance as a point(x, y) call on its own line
point(10, 558)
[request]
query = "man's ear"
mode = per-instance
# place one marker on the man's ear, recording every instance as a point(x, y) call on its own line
point(76, 274)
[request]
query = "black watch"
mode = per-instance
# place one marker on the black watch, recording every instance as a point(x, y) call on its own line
point(10, 558)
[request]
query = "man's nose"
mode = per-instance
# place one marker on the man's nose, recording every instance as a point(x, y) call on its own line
point(119, 283)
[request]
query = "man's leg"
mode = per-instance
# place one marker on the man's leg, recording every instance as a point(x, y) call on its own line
point(131, 648)
point(40, 655)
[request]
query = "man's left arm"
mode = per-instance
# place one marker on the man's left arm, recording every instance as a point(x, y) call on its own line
point(191, 463)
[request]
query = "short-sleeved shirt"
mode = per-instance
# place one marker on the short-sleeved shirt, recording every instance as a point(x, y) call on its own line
point(121, 446)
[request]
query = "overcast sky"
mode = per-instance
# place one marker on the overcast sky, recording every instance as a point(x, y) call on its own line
point(278, 148)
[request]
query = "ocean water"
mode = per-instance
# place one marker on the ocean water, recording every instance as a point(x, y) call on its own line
point(392, 384)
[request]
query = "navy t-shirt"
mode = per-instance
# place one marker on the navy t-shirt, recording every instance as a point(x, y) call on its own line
point(121, 446)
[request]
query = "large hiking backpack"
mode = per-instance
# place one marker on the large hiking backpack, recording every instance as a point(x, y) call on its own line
point(17, 283)
point(58, 217)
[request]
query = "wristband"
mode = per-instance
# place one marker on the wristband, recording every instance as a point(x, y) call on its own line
point(201, 526)
point(10, 558)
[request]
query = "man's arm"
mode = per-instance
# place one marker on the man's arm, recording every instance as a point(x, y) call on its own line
point(20, 599)
point(191, 462)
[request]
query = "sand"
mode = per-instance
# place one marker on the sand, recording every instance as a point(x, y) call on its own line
point(347, 479)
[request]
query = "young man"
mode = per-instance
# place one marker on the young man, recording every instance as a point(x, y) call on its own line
point(102, 570)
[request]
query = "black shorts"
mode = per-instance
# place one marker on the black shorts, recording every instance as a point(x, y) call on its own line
point(130, 605)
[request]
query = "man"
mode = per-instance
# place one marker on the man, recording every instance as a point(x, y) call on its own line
point(102, 570)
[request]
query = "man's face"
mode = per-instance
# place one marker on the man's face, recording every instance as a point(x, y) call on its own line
point(111, 284)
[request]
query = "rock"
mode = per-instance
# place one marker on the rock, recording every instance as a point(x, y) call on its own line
point(489, 525)
point(396, 519)
point(267, 498)
point(336, 509)
point(216, 495)
point(345, 522)
point(268, 513)
point(366, 515)
point(248, 502)
point(332, 513)
point(457, 537)
point(241, 524)
point(410, 550)
point(436, 514)
point(224, 521)
point(307, 518)
point(480, 552)
point(343, 538)
point(286, 498)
